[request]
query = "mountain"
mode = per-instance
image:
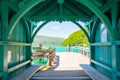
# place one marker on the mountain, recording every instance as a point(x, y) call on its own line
point(47, 40)
point(76, 38)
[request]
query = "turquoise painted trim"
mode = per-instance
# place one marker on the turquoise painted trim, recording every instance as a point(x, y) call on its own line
point(19, 15)
point(14, 43)
point(18, 66)
point(43, 24)
point(118, 73)
point(27, 29)
point(101, 44)
point(94, 29)
point(84, 31)
point(105, 43)
point(100, 15)
point(116, 42)
point(102, 65)
point(1, 74)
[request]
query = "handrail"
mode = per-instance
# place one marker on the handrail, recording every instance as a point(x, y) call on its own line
point(102, 65)
point(85, 51)
point(14, 43)
point(18, 66)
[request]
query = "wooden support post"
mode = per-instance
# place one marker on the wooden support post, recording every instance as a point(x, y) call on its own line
point(4, 61)
point(4, 48)
point(92, 52)
point(28, 54)
point(115, 50)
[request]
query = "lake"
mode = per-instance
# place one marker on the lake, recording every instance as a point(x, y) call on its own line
point(62, 48)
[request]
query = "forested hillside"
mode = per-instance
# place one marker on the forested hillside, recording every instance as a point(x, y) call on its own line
point(47, 40)
point(76, 38)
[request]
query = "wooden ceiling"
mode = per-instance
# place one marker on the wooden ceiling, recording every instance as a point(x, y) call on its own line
point(58, 10)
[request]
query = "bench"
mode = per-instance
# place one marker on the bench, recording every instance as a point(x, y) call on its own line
point(27, 73)
point(93, 73)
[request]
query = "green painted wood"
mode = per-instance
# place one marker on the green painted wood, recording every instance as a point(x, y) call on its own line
point(94, 29)
point(60, 1)
point(105, 7)
point(4, 48)
point(32, 12)
point(57, 18)
point(18, 66)
point(118, 73)
point(84, 10)
point(101, 16)
point(4, 18)
point(115, 54)
point(101, 44)
point(102, 65)
point(14, 43)
point(48, 10)
point(1, 74)
point(71, 9)
point(27, 28)
point(19, 15)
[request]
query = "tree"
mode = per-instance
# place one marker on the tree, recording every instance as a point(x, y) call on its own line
point(76, 38)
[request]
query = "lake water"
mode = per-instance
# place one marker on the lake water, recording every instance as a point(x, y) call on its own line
point(63, 48)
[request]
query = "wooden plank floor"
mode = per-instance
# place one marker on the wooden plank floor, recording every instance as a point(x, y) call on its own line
point(94, 74)
point(66, 65)
point(27, 73)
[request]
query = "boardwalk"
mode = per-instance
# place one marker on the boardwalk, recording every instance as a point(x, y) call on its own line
point(67, 66)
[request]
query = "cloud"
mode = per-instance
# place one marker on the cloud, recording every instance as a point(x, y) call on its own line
point(55, 27)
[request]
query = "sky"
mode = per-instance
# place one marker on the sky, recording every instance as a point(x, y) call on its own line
point(56, 29)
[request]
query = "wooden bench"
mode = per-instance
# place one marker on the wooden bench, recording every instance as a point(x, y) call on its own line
point(93, 73)
point(27, 73)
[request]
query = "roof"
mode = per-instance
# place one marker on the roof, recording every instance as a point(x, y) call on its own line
point(59, 10)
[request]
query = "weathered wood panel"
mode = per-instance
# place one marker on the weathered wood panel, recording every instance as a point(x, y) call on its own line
point(18, 53)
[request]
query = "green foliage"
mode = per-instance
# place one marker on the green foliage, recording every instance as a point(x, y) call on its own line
point(76, 38)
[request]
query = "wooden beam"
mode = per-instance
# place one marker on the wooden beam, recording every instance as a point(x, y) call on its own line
point(94, 29)
point(84, 11)
point(13, 5)
point(4, 48)
point(18, 66)
point(14, 43)
point(102, 65)
point(32, 12)
point(19, 15)
point(101, 44)
point(105, 7)
point(43, 9)
point(100, 15)
point(84, 31)
point(27, 29)
point(48, 10)
point(56, 18)
point(72, 10)
point(115, 49)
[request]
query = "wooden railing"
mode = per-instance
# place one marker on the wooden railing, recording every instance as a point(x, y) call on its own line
point(84, 51)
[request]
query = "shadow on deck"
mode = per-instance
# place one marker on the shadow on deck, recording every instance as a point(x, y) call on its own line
point(62, 71)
